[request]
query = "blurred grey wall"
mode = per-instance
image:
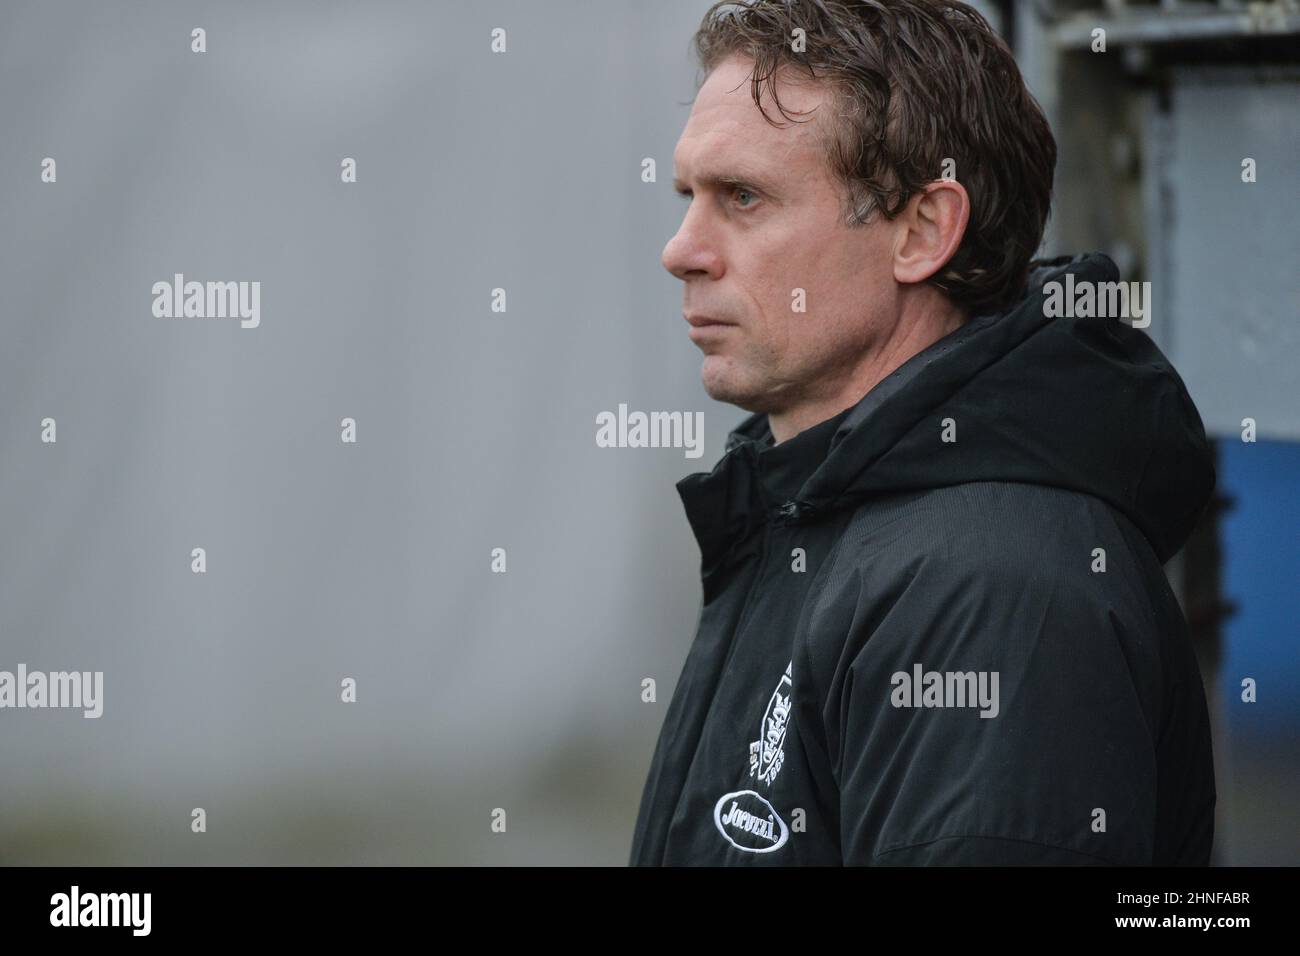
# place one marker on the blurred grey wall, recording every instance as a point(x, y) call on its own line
point(475, 429)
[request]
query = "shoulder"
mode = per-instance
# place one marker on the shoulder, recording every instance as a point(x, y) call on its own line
point(995, 571)
point(992, 532)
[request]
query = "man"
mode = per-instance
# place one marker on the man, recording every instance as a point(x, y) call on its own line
point(935, 628)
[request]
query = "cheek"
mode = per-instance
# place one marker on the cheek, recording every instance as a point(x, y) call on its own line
point(787, 292)
point(836, 282)
point(831, 326)
point(852, 280)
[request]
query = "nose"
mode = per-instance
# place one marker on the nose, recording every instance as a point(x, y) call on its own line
point(693, 250)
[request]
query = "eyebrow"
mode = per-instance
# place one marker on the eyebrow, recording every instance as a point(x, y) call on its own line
point(719, 180)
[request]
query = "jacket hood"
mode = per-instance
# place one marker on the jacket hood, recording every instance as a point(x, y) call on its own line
point(1087, 404)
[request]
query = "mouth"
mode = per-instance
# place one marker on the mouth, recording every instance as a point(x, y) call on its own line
point(704, 329)
point(697, 322)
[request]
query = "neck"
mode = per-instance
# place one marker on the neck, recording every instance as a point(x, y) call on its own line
point(907, 338)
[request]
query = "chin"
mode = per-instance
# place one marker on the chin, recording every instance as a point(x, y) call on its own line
point(723, 385)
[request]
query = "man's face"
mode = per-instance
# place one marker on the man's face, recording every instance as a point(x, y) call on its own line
point(765, 219)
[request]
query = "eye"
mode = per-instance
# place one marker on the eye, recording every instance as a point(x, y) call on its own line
point(739, 191)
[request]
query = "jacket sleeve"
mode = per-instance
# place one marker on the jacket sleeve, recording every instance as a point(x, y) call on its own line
point(1042, 753)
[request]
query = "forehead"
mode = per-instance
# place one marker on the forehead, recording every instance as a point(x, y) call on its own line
point(727, 134)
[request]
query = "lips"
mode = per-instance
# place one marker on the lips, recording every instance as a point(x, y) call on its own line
point(703, 321)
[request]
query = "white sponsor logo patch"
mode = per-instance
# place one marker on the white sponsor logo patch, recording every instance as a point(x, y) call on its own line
point(749, 823)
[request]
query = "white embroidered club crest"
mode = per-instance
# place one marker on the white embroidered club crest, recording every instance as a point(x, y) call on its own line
point(768, 751)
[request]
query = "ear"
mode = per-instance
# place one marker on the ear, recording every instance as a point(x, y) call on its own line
point(930, 229)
